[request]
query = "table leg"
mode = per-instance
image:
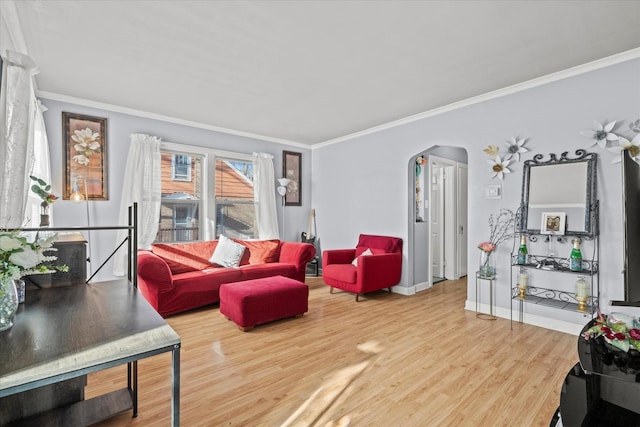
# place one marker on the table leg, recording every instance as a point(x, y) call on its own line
point(175, 382)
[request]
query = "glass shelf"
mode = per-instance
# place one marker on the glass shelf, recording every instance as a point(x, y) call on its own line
point(556, 264)
point(553, 298)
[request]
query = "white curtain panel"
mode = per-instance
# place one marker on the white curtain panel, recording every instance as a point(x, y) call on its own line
point(41, 168)
point(18, 110)
point(142, 185)
point(264, 193)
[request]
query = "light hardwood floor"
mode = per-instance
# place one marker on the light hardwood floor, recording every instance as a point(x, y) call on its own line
point(432, 364)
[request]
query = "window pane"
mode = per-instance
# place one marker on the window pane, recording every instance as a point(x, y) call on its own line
point(181, 167)
point(181, 199)
point(235, 211)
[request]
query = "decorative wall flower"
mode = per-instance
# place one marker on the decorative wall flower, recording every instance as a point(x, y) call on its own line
point(492, 150)
point(601, 134)
point(632, 147)
point(515, 147)
point(499, 166)
point(87, 143)
point(635, 126)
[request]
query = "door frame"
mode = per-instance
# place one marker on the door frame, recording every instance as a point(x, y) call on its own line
point(449, 210)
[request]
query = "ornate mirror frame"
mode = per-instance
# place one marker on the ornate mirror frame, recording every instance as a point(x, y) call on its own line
point(589, 186)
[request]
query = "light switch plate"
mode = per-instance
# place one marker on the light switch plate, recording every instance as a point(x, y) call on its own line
point(493, 192)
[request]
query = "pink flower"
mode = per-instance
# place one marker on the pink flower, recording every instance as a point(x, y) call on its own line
point(635, 334)
point(486, 246)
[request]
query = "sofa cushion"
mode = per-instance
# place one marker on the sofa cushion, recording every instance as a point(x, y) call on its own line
point(184, 257)
point(346, 273)
point(366, 252)
point(260, 251)
point(388, 244)
point(228, 253)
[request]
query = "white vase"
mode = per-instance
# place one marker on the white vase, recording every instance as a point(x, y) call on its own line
point(8, 303)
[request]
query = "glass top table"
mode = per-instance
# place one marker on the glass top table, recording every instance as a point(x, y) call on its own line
point(63, 333)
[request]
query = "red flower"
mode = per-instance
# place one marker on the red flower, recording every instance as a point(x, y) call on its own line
point(620, 336)
point(635, 334)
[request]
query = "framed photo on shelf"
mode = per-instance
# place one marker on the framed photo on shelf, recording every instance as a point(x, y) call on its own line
point(85, 156)
point(553, 223)
point(291, 168)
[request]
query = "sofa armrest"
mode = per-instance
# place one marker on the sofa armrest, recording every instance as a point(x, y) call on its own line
point(338, 256)
point(154, 271)
point(295, 253)
point(379, 271)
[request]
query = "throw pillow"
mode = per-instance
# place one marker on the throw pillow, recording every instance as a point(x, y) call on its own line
point(365, 253)
point(185, 257)
point(228, 253)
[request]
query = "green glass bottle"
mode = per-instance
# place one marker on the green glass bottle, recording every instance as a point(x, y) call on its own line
point(522, 250)
point(575, 260)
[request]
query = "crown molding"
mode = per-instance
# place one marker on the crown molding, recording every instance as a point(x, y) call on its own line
point(519, 87)
point(139, 113)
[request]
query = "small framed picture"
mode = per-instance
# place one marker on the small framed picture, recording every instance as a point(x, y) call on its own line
point(553, 223)
point(291, 168)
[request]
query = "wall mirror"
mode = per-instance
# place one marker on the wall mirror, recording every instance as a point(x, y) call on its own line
point(562, 187)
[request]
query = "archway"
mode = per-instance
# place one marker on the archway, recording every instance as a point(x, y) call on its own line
point(437, 216)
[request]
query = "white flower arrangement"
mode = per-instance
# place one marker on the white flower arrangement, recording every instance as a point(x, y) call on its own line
point(19, 257)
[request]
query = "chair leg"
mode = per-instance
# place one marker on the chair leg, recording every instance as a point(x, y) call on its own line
point(357, 295)
point(389, 290)
point(330, 290)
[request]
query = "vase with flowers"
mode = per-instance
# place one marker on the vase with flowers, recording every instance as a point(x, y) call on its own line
point(43, 190)
point(20, 257)
point(500, 229)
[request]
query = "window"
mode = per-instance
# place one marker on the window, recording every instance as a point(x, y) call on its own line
point(202, 187)
point(181, 167)
point(181, 202)
point(235, 206)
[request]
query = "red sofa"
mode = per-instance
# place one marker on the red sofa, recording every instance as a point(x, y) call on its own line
point(178, 277)
point(379, 268)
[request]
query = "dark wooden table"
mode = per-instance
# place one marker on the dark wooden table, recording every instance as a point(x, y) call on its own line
point(60, 334)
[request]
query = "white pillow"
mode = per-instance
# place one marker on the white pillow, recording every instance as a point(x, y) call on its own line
point(227, 253)
point(365, 253)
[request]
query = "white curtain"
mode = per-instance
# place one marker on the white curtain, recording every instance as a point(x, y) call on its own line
point(18, 111)
point(264, 193)
point(142, 185)
point(41, 168)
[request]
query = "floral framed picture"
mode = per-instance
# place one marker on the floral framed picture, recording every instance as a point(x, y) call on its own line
point(85, 157)
point(291, 168)
point(553, 223)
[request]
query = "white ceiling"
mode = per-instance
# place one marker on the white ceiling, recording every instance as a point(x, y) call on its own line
point(310, 71)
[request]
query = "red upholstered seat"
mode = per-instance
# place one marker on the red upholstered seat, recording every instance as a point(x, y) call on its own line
point(258, 301)
point(382, 269)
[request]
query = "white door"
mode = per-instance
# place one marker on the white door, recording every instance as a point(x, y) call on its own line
point(437, 220)
point(462, 220)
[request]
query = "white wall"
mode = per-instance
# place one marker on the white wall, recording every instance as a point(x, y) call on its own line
point(359, 184)
point(119, 127)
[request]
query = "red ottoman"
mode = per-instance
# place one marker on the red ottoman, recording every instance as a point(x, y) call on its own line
point(258, 301)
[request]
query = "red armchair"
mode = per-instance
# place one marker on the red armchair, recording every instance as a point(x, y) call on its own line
point(378, 268)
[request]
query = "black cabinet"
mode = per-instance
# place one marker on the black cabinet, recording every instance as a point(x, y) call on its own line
point(72, 252)
point(603, 389)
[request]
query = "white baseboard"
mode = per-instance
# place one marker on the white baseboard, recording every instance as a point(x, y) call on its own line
point(529, 319)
